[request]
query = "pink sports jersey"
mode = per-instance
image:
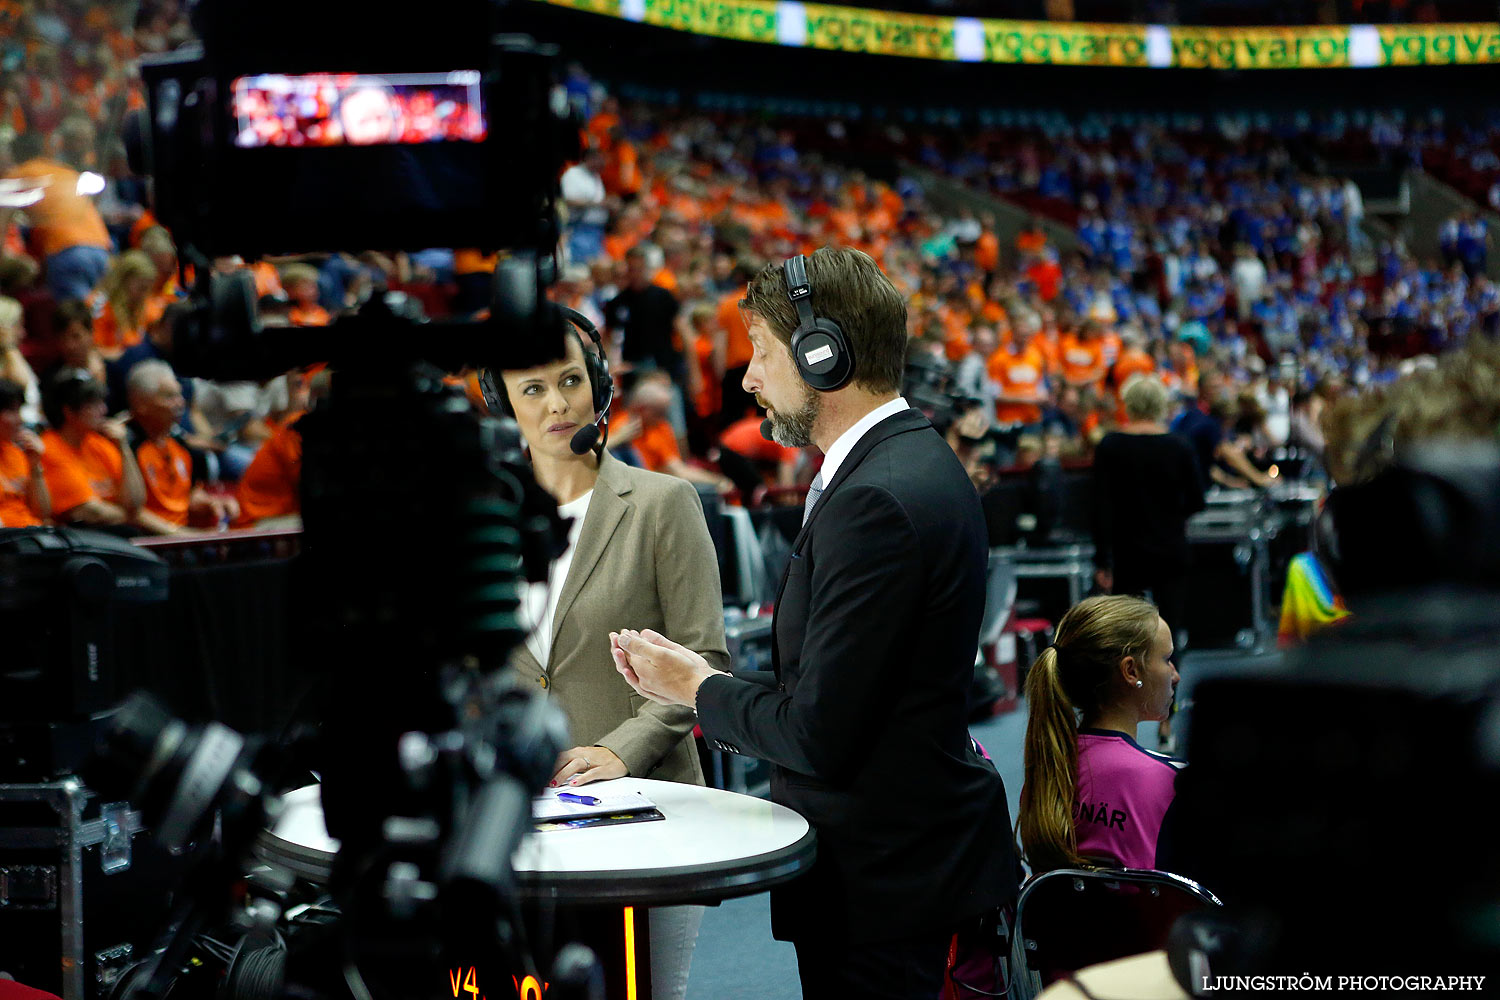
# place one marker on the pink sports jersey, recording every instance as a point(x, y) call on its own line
point(1123, 793)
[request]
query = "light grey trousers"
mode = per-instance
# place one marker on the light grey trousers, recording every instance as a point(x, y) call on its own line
point(674, 931)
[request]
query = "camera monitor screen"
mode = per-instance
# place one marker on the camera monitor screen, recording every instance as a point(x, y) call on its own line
point(349, 109)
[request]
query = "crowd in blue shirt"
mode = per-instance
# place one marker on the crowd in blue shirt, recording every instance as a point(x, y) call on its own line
point(1166, 207)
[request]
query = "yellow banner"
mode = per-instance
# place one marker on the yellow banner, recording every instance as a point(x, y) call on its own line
point(1062, 44)
point(610, 8)
point(742, 20)
point(1260, 48)
point(1058, 43)
point(1439, 44)
point(854, 29)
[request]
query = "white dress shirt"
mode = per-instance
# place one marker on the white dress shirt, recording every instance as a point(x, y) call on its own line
point(539, 608)
point(840, 449)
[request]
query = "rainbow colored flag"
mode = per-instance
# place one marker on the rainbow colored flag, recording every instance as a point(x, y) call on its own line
point(1309, 603)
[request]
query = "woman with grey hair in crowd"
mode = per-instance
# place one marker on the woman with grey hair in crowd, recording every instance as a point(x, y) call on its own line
point(1146, 486)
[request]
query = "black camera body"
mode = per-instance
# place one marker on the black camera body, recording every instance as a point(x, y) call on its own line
point(300, 127)
point(928, 384)
point(62, 594)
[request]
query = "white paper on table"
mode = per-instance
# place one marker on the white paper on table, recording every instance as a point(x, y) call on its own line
point(548, 806)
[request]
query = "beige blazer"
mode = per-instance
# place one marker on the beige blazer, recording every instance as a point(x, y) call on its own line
point(644, 560)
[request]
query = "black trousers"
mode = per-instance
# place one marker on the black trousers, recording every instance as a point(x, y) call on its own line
point(1167, 590)
point(908, 968)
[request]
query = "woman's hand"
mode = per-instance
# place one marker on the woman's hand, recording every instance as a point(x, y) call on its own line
point(581, 765)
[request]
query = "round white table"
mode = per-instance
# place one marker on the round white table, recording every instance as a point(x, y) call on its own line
point(711, 845)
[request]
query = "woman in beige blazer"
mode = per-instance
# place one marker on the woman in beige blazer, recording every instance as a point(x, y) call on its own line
point(640, 555)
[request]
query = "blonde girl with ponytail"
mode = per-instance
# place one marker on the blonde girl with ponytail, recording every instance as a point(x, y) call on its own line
point(1092, 794)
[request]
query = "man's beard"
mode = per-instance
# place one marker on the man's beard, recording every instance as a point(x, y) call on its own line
point(793, 428)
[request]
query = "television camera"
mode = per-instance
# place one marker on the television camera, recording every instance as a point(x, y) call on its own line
point(299, 128)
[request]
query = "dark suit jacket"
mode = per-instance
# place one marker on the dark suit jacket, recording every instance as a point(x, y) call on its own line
point(865, 718)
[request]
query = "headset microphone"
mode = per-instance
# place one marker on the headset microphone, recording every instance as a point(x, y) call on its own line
point(586, 437)
point(765, 429)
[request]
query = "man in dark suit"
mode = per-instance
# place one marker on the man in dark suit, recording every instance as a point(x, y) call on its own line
point(877, 622)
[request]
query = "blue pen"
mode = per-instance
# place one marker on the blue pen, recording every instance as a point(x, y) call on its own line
point(583, 800)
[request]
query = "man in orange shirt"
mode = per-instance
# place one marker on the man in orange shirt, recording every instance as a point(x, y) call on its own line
point(696, 332)
point(1017, 369)
point(474, 274)
point(676, 262)
point(24, 501)
point(91, 479)
point(1033, 238)
point(754, 463)
point(1133, 360)
point(656, 444)
point(1043, 270)
point(956, 318)
point(70, 233)
point(771, 463)
point(622, 171)
point(987, 247)
point(301, 284)
point(735, 338)
point(1184, 361)
point(1082, 356)
point(601, 127)
point(271, 486)
point(171, 473)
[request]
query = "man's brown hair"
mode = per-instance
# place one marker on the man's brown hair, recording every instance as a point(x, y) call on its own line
point(848, 288)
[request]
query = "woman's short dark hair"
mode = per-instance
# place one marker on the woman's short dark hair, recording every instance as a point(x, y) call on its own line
point(589, 363)
point(69, 388)
point(849, 288)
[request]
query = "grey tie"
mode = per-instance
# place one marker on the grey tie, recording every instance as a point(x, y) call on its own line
point(813, 492)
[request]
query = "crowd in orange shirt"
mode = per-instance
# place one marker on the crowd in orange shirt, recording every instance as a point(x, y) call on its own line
point(704, 200)
point(710, 198)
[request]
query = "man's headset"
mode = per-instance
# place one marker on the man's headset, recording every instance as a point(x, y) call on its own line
point(822, 352)
point(819, 347)
point(601, 386)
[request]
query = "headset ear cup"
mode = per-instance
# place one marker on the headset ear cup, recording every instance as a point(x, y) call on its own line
point(819, 348)
point(595, 362)
point(495, 396)
point(833, 364)
point(598, 390)
point(841, 375)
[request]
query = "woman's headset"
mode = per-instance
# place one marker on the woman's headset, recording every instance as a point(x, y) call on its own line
point(601, 387)
point(819, 347)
